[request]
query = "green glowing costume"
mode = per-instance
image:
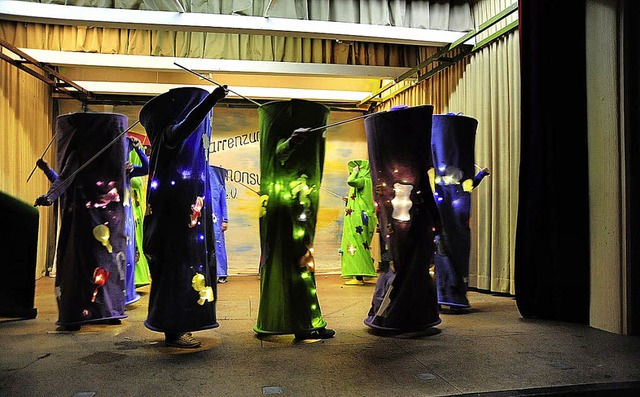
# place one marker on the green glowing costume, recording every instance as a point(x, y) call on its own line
point(138, 191)
point(291, 172)
point(359, 223)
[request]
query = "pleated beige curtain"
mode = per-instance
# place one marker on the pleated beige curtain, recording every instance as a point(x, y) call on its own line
point(25, 131)
point(485, 86)
point(419, 14)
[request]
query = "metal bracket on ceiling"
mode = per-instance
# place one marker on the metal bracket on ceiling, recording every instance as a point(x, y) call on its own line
point(60, 85)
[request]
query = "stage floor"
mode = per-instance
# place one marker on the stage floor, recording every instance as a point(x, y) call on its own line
point(488, 351)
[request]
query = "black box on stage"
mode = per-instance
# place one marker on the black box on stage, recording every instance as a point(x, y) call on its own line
point(19, 247)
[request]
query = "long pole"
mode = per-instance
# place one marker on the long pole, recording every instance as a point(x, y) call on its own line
point(95, 156)
point(216, 83)
point(338, 123)
point(43, 153)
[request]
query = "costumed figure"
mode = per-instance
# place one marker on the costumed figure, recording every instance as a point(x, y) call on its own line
point(138, 189)
point(91, 250)
point(132, 171)
point(359, 225)
point(291, 166)
point(178, 228)
point(398, 143)
point(453, 151)
point(220, 218)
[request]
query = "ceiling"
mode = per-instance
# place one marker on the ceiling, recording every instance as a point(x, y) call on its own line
point(110, 77)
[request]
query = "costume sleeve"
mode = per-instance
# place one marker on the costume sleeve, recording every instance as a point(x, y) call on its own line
point(48, 171)
point(480, 176)
point(177, 133)
point(354, 180)
point(142, 169)
point(286, 147)
point(223, 204)
point(65, 178)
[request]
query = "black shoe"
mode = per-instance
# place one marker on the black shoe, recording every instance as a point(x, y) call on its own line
point(322, 333)
point(68, 328)
point(222, 280)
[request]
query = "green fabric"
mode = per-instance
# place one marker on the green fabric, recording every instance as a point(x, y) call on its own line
point(359, 223)
point(137, 188)
point(289, 188)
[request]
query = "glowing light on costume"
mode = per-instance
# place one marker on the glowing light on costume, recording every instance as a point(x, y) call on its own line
point(264, 200)
point(196, 211)
point(352, 249)
point(300, 189)
point(186, 174)
point(102, 234)
point(100, 277)
point(467, 185)
point(205, 292)
point(401, 202)
point(154, 184)
point(173, 183)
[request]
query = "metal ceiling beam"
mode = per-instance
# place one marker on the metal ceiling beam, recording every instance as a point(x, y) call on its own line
point(55, 14)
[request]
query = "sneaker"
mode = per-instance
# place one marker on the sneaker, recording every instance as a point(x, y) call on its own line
point(185, 340)
point(322, 333)
point(222, 280)
point(354, 281)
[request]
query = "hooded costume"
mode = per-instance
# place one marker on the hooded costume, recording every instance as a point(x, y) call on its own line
point(132, 210)
point(291, 173)
point(220, 215)
point(398, 144)
point(178, 228)
point(453, 150)
point(91, 254)
point(359, 224)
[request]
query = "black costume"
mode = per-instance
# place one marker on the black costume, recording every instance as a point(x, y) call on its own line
point(399, 155)
point(178, 229)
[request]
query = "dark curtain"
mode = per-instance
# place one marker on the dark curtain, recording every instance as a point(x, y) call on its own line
point(552, 236)
point(631, 46)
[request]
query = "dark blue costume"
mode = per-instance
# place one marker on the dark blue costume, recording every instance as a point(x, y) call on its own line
point(178, 228)
point(453, 149)
point(91, 250)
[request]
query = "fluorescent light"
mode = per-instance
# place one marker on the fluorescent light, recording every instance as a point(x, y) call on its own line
point(121, 88)
point(72, 58)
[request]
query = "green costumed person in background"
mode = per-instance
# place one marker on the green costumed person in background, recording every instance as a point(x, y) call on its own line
point(359, 225)
point(138, 188)
point(291, 162)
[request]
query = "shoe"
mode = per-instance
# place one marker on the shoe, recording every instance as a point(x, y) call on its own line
point(354, 281)
point(322, 333)
point(185, 340)
point(68, 328)
point(222, 280)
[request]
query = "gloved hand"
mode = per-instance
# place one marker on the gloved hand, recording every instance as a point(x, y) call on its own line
point(220, 92)
point(300, 135)
point(42, 164)
point(134, 142)
point(42, 200)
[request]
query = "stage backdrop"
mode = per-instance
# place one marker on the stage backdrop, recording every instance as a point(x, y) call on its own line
point(234, 147)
